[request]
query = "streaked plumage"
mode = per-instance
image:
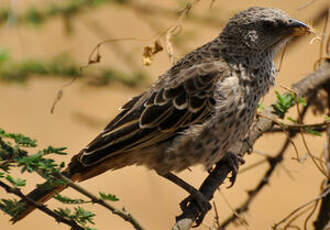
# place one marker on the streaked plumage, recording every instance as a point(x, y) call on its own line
point(198, 109)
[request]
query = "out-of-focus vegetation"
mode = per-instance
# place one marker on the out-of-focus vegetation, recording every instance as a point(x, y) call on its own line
point(38, 16)
point(62, 66)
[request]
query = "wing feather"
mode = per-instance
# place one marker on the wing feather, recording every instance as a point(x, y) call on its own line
point(159, 114)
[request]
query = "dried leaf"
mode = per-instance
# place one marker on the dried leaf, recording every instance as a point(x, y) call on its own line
point(58, 97)
point(150, 51)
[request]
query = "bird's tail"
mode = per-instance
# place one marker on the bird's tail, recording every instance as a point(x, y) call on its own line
point(41, 195)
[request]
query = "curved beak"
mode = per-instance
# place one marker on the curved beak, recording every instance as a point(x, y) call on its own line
point(297, 28)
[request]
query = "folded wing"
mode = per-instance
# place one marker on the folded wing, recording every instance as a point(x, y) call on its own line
point(159, 114)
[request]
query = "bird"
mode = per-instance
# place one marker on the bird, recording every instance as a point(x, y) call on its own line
point(196, 111)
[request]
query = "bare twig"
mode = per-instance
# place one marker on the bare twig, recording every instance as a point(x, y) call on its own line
point(216, 215)
point(307, 4)
point(324, 194)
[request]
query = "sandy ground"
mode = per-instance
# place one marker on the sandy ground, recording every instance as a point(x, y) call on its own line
point(151, 199)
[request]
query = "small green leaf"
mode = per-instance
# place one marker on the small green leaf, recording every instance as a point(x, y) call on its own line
point(313, 132)
point(12, 207)
point(16, 182)
point(292, 119)
point(327, 118)
point(63, 212)
point(54, 150)
point(68, 200)
point(19, 139)
point(88, 228)
point(83, 216)
point(79, 215)
point(302, 101)
point(4, 56)
point(283, 103)
point(261, 107)
point(108, 196)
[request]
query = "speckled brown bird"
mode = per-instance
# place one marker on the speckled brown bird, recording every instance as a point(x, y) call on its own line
point(197, 110)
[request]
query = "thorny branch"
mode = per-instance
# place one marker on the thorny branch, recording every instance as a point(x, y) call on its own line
point(305, 87)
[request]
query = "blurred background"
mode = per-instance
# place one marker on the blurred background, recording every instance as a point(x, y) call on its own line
point(43, 44)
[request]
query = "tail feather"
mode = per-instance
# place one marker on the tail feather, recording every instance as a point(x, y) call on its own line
point(41, 195)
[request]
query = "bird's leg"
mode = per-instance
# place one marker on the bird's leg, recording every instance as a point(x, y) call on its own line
point(195, 195)
point(233, 161)
point(250, 145)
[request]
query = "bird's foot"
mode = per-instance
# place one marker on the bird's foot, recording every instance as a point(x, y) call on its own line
point(233, 161)
point(202, 203)
point(249, 144)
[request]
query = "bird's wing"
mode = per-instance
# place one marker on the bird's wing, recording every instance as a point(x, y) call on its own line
point(172, 105)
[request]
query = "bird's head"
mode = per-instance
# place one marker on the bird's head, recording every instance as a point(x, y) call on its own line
point(259, 29)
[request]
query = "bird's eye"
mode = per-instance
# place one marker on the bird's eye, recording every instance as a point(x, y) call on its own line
point(268, 25)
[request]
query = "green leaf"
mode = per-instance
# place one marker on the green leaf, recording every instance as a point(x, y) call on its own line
point(63, 212)
point(83, 216)
point(4, 56)
point(54, 150)
point(327, 118)
point(12, 207)
point(19, 139)
point(302, 101)
point(88, 228)
point(283, 103)
point(261, 107)
point(16, 182)
point(108, 196)
point(68, 200)
point(79, 215)
point(313, 132)
point(292, 120)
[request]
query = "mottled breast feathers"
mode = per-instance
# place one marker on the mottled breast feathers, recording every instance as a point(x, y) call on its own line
point(158, 115)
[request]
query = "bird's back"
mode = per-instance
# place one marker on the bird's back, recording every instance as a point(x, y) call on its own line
point(149, 123)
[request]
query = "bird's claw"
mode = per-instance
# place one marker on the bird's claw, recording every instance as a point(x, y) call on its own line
point(233, 161)
point(249, 144)
point(202, 203)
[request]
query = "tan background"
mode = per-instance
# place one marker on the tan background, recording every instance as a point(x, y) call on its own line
point(151, 199)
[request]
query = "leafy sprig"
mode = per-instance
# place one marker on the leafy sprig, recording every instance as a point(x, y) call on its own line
point(78, 214)
point(285, 102)
point(68, 200)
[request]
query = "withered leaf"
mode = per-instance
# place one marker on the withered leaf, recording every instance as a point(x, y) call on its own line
point(150, 51)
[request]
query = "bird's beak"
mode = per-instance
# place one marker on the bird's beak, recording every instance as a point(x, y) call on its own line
point(297, 28)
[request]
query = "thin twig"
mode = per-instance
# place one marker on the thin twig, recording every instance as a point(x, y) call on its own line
point(307, 4)
point(126, 216)
point(216, 215)
point(42, 208)
point(275, 121)
point(324, 194)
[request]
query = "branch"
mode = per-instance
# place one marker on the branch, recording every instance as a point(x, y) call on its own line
point(126, 216)
point(304, 87)
point(323, 195)
point(42, 208)
point(323, 219)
